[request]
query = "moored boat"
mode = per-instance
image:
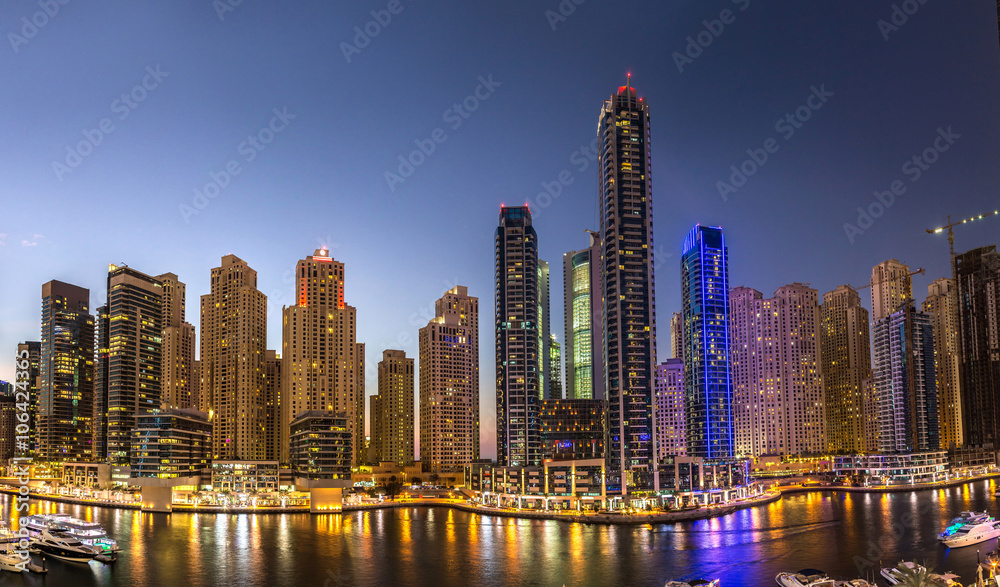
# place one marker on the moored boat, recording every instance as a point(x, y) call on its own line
point(973, 534)
point(963, 519)
point(62, 546)
point(89, 533)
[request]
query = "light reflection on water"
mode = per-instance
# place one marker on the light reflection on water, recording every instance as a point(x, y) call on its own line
point(449, 547)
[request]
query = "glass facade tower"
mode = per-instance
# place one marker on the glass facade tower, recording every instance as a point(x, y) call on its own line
point(707, 378)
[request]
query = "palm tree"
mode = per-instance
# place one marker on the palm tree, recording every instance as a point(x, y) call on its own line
point(917, 576)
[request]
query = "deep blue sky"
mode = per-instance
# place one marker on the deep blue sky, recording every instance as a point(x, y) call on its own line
point(322, 179)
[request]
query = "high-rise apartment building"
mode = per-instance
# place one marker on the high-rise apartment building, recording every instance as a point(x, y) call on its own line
point(677, 336)
point(29, 356)
point(178, 346)
point(905, 382)
point(393, 437)
point(978, 273)
point(272, 406)
point(583, 344)
point(233, 345)
point(544, 331)
point(324, 365)
point(942, 306)
point(130, 360)
point(846, 363)
point(66, 374)
point(891, 288)
point(625, 202)
point(449, 383)
point(555, 368)
point(707, 379)
point(775, 368)
point(671, 416)
point(519, 360)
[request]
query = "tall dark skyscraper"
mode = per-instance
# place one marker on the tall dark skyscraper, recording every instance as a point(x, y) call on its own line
point(627, 275)
point(66, 374)
point(518, 358)
point(707, 379)
point(978, 273)
point(130, 360)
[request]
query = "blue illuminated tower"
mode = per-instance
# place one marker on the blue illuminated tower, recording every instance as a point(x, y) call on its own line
point(707, 382)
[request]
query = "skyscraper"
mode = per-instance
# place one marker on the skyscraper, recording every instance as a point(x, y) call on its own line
point(272, 406)
point(671, 416)
point(583, 344)
point(519, 360)
point(394, 437)
point(555, 368)
point(131, 371)
point(178, 346)
point(775, 366)
point(449, 383)
point(942, 306)
point(846, 364)
point(544, 330)
point(891, 288)
point(29, 354)
point(66, 374)
point(233, 346)
point(707, 379)
point(625, 186)
point(677, 336)
point(978, 273)
point(905, 387)
point(324, 365)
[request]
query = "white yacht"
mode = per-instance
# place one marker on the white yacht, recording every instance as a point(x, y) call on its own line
point(970, 534)
point(89, 533)
point(63, 546)
point(963, 519)
point(11, 561)
point(894, 575)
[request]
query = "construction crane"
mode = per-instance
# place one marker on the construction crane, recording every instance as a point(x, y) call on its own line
point(880, 282)
point(951, 235)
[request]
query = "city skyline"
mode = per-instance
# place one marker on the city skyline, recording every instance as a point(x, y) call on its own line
point(686, 182)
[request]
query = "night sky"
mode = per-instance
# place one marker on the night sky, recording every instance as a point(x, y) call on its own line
point(306, 117)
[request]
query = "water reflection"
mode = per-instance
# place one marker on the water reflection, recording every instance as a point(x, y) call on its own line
point(411, 546)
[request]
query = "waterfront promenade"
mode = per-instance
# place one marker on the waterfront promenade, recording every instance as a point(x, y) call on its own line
point(656, 517)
